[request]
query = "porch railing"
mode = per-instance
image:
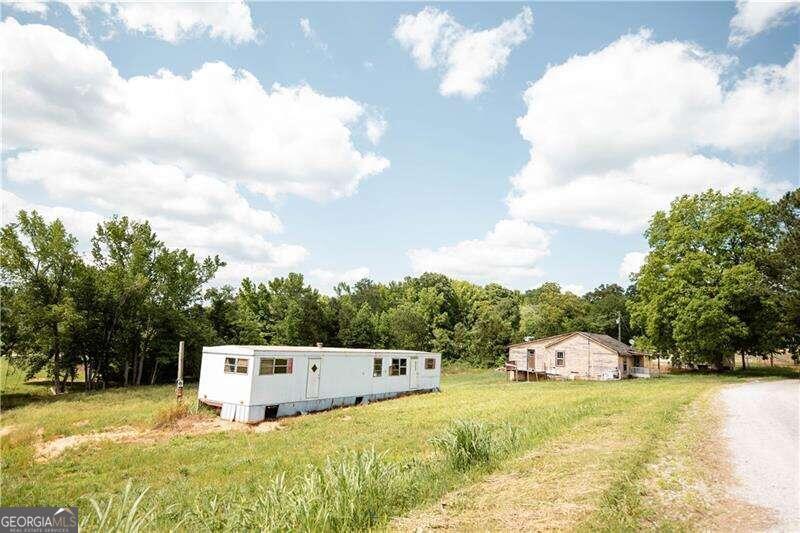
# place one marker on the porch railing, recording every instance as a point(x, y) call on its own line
point(640, 371)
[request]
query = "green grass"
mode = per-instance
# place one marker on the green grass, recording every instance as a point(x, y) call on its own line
point(621, 507)
point(345, 469)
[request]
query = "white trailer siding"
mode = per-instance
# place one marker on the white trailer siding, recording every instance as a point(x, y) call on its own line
point(215, 383)
point(320, 378)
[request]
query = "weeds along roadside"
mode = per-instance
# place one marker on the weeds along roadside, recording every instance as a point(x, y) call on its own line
point(355, 490)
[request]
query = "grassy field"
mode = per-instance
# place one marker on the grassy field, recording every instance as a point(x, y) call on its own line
point(375, 466)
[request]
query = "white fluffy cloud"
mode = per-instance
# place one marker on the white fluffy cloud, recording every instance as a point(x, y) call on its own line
point(63, 94)
point(509, 253)
point(616, 134)
point(325, 280)
point(468, 58)
point(198, 212)
point(177, 151)
point(168, 21)
point(230, 235)
point(139, 186)
point(176, 21)
point(623, 200)
point(754, 17)
point(631, 264)
point(81, 224)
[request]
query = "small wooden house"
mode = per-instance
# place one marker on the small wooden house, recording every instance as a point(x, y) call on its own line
point(251, 383)
point(575, 355)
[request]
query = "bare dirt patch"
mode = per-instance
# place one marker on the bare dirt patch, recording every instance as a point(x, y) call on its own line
point(53, 448)
point(187, 426)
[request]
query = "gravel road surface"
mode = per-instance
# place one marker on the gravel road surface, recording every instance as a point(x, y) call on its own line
point(762, 426)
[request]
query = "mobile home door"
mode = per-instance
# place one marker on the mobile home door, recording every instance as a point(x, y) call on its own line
point(413, 373)
point(312, 379)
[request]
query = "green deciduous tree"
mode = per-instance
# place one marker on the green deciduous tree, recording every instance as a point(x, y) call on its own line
point(721, 278)
point(607, 304)
point(547, 311)
point(701, 296)
point(116, 316)
point(39, 260)
point(782, 268)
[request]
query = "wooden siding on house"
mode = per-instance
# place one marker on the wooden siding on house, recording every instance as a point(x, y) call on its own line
point(584, 358)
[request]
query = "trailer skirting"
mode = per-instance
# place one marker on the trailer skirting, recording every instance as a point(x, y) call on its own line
point(256, 413)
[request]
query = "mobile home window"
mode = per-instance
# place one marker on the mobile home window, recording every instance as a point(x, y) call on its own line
point(275, 365)
point(398, 367)
point(234, 365)
point(377, 367)
point(559, 358)
point(430, 363)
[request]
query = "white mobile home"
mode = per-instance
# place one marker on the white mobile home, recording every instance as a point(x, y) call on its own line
point(251, 383)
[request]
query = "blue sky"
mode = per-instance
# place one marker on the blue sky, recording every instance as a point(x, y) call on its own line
point(718, 108)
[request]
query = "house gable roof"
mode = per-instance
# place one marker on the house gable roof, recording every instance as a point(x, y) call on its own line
point(604, 340)
point(539, 341)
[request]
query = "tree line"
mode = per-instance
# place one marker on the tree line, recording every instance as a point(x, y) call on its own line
point(721, 277)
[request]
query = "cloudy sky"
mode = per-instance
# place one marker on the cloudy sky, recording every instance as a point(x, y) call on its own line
point(513, 142)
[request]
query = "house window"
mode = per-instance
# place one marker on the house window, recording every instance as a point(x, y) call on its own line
point(274, 365)
point(234, 365)
point(625, 366)
point(430, 363)
point(398, 367)
point(377, 367)
point(559, 358)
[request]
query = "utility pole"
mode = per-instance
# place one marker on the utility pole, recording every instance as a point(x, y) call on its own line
point(619, 326)
point(179, 381)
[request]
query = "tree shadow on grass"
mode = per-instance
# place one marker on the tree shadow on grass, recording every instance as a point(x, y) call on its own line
point(38, 392)
point(786, 372)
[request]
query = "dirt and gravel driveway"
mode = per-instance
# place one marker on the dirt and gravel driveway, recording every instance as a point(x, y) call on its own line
point(762, 426)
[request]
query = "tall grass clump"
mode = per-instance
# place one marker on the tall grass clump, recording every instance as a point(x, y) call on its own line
point(169, 416)
point(468, 443)
point(354, 491)
point(351, 493)
point(465, 443)
point(122, 514)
